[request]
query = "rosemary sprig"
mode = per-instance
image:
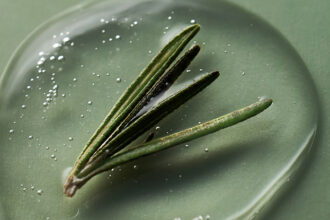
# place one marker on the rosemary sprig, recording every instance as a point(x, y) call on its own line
point(130, 118)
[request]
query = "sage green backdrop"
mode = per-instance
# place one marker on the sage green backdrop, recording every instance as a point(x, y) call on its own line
point(304, 23)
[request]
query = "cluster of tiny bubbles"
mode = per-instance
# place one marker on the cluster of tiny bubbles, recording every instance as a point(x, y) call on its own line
point(32, 188)
point(133, 23)
point(166, 28)
point(52, 93)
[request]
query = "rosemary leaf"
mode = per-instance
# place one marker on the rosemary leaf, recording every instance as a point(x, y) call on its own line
point(161, 85)
point(180, 137)
point(146, 121)
point(163, 143)
point(135, 92)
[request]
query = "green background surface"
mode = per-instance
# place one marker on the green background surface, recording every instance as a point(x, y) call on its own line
point(304, 23)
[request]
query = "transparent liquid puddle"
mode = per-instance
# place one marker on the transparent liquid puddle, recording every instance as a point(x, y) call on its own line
point(66, 76)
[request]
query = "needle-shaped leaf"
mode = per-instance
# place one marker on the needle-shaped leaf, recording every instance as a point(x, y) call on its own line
point(160, 86)
point(163, 143)
point(152, 117)
point(135, 92)
point(180, 137)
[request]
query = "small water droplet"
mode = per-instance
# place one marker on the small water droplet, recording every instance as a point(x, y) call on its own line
point(11, 131)
point(39, 192)
point(135, 167)
point(169, 17)
point(206, 150)
point(192, 21)
point(117, 36)
point(66, 39)
point(52, 156)
point(89, 102)
point(118, 80)
point(207, 217)
point(32, 187)
point(30, 137)
point(70, 138)
point(243, 73)
point(60, 58)
point(82, 116)
point(74, 79)
point(57, 45)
